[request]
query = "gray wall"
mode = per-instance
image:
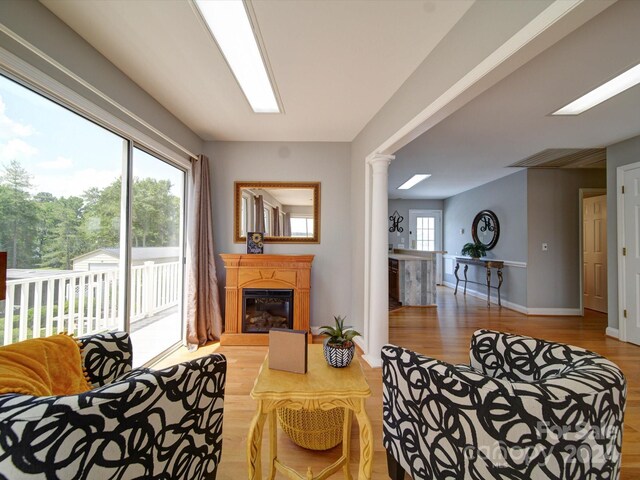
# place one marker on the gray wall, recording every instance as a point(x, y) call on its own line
point(403, 207)
point(35, 25)
point(553, 277)
point(507, 198)
point(327, 163)
point(620, 154)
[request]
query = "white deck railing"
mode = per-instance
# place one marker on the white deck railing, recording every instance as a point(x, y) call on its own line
point(85, 302)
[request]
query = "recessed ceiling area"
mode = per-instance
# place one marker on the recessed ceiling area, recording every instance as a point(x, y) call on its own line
point(335, 63)
point(512, 120)
point(566, 158)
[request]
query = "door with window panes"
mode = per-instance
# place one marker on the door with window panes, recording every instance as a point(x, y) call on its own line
point(425, 233)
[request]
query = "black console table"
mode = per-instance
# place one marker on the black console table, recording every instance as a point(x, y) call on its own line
point(488, 265)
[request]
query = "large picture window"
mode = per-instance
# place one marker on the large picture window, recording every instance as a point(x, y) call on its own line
point(64, 222)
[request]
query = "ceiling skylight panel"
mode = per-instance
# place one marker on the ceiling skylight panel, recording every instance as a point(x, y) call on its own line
point(229, 23)
point(413, 181)
point(604, 92)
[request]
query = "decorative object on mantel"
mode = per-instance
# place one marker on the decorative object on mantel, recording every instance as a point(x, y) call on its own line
point(485, 229)
point(396, 219)
point(339, 347)
point(474, 250)
point(255, 242)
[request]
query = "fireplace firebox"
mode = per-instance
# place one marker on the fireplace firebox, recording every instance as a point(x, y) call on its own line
point(264, 309)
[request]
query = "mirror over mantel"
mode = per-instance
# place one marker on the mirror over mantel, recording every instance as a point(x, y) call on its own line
point(290, 211)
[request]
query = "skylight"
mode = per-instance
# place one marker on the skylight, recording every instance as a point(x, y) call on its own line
point(413, 181)
point(613, 87)
point(229, 23)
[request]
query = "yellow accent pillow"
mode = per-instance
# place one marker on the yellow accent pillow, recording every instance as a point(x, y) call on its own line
point(43, 367)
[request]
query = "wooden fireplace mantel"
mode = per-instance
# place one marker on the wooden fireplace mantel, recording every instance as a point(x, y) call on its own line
point(265, 271)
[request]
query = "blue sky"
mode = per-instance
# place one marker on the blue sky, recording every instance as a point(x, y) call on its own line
point(65, 153)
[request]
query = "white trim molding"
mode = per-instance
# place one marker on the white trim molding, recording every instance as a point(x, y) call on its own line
point(553, 312)
point(507, 263)
point(622, 294)
point(612, 332)
point(559, 312)
point(557, 10)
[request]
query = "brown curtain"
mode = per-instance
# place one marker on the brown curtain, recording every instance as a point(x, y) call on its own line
point(258, 224)
point(276, 222)
point(286, 228)
point(204, 321)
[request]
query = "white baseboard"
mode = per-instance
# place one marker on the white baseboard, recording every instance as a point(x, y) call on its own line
point(612, 332)
point(494, 298)
point(559, 312)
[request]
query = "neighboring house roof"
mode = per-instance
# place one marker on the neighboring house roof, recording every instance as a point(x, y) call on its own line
point(19, 273)
point(137, 253)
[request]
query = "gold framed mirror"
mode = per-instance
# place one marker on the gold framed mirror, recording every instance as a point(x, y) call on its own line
point(290, 211)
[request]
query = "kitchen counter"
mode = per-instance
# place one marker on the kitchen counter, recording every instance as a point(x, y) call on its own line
point(412, 279)
point(402, 256)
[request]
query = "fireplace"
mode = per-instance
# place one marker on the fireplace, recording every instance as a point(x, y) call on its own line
point(266, 273)
point(264, 309)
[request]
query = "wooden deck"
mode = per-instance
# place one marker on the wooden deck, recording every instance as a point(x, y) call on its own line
point(443, 333)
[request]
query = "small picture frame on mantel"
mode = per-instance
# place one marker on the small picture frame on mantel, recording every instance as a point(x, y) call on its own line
point(255, 242)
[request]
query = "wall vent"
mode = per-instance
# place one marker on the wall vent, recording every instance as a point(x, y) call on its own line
point(565, 158)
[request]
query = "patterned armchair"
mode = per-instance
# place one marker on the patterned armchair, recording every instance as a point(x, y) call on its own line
point(524, 409)
point(164, 424)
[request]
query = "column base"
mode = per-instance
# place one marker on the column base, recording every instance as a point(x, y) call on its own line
point(373, 361)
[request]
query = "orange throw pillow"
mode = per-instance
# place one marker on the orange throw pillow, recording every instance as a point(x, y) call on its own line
point(43, 367)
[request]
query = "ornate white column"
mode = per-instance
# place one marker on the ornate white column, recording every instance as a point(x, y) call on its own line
point(378, 321)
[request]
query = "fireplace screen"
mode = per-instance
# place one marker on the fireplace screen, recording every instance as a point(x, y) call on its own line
point(266, 309)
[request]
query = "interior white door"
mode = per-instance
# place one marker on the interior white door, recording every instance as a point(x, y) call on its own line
point(425, 233)
point(631, 261)
point(594, 224)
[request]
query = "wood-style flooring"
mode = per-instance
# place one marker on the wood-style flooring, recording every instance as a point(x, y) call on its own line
point(443, 333)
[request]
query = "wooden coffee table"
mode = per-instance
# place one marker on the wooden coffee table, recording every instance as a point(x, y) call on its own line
point(322, 387)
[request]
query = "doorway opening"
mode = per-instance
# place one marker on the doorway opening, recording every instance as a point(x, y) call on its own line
point(593, 251)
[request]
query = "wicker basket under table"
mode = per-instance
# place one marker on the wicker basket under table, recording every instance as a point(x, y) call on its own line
point(313, 429)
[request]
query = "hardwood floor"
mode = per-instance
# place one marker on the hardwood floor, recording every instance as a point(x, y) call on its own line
point(443, 333)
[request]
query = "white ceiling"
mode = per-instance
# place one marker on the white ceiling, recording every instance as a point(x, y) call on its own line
point(336, 63)
point(302, 197)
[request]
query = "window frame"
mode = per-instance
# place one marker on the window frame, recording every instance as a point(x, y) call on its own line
point(32, 79)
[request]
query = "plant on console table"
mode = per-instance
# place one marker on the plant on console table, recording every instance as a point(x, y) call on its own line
point(339, 347)
point(474, 250)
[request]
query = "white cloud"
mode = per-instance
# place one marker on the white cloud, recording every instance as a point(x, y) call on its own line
point(60, 163)
point(16, 149)
point(73, 183)
point(10, 128)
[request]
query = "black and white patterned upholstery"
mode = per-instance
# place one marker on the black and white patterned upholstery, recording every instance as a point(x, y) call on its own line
point(136, 424)
point(524, 409)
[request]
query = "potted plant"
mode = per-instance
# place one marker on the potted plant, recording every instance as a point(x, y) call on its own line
point(339, 347)
point(474, 250)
